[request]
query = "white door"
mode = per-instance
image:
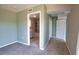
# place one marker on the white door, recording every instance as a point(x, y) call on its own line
point(61, 29)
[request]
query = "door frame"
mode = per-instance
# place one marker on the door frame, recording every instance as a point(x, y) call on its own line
point(28, 29)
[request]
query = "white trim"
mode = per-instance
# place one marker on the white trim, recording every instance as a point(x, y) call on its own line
point(8, 44)
point(68, 48)
point(22, 43)
point(28, 37)
point(41, 48)
point(51, 37)
point(40, 40)
point(58, 38)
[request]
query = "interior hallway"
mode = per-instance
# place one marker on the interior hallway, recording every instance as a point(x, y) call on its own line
point(55, 47)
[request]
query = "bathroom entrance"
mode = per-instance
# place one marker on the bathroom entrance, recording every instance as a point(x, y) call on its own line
point(34, 29)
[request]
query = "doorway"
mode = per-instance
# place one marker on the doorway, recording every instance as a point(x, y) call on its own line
point(61, 29)
point(34, 29)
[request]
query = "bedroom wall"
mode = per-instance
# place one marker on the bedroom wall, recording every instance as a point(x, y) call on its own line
point(8, 30)
point(22, 26)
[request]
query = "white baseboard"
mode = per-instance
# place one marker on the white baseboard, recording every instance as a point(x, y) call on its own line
point(23, 43)
point(41, 48)
point(13, 43)
point(8, 44)
point(46, 45)
point(52, 37)
point(68, 49)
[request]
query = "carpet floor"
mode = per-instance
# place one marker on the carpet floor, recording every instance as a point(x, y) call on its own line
point(55, 47)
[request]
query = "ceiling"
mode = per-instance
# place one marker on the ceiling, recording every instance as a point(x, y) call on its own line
point(16, 7)
point(63, 13)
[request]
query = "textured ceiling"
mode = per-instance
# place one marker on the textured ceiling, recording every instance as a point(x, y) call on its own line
point(16, 7)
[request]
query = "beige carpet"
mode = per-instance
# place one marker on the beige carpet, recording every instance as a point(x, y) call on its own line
point(55, 47)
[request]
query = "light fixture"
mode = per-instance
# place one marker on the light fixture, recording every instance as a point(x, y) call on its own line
point(34, 16)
